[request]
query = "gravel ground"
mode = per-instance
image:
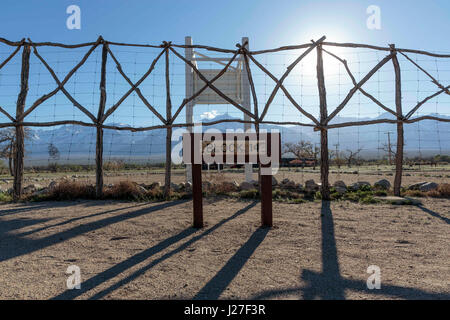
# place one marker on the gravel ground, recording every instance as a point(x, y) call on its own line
point(149, 251)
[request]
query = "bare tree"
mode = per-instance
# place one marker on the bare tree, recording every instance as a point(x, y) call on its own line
point(53, 152)
point(351, 156)
point(302, 150)
point(7, 146)
point(389, 149)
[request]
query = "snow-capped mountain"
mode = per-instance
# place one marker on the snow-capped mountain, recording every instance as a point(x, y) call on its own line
point(77, 144)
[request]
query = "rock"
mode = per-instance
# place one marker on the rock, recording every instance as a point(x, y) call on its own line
point(340, 190)
point(182, 186)
point(254, 182)
point(289, 185)
point(299, 187)
point(416, 186)
point(274, 181)
point(357, 185)
point(174, 187)
point(382, 184)
point(311, 185)
point(285, 181)
point(31, 188)
point(230, 186)
point(52, 185)
point(206, 185)
point(188, 185)
point(40, 192)
point(141, 189)
point(340, 184)
point(154, 185)
point(429, 186)
point(246, 186)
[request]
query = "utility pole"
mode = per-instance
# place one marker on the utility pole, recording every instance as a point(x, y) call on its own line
point(389, 147)
point(338, 161)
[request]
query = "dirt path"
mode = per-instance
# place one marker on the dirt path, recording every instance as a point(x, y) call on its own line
point(148, 251)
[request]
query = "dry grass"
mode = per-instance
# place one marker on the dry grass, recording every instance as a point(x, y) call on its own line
point(68, 190)
point(443, 191)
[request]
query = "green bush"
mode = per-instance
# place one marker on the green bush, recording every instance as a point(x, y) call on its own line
point(249, 194)
point(5, 197)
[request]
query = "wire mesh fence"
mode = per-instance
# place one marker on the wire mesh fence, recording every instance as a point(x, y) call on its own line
point(105, 104)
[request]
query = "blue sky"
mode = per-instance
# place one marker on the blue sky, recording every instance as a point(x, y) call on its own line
point(268, 23)
point(408, 24)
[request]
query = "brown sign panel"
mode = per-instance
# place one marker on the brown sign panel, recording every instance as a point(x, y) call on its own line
point(232, 148)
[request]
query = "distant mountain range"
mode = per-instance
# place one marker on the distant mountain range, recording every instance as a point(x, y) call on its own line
point(76, 144)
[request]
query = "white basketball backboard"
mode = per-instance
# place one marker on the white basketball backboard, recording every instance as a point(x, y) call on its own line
point(229, 84)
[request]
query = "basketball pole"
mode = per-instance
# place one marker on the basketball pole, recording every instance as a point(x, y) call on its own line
point(246, 104)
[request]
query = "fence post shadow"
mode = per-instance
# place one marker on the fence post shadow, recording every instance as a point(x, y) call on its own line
point(114, 271)
point(217, 285)
point(434, 214)
point(328, 284)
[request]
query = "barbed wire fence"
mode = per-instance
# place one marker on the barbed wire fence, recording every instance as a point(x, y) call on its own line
point(158, 90)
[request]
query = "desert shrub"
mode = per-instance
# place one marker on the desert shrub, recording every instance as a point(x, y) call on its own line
point(318, 195)
point(69, 190)
point(114, 165)
point(222, 188)
point(413, 193)
point(444, 190)
point(368, 200)
point(380, 193)
point(249, 194)
point(5, 197)
point(124, 190)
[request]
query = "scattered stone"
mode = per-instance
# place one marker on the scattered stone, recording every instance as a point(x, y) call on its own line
point(416, 186)
point(40, 192)
point(206, 185)
point(340, 190)
point(340, 184)
point(31, 188)
point(382, 184)
point(246, 186)
point(155, 185)
point(311, 185)
point(174, 187)
point(52, 185)
point(231, 186)
point(289, 185)
point(429, 186)
point(274, 181)
point(141, 188)
point(357, 185)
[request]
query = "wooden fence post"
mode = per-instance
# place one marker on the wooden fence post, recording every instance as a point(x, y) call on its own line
point(20, 132)
point(169, 130)
point(324, 161)
point(189, 54)
point(99, 142)
point(400, 137)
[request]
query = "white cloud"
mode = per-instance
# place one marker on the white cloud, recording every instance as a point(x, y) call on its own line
point(209, 114)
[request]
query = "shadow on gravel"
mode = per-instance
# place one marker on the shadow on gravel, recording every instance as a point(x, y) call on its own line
point(142, 256)
point(330, 285)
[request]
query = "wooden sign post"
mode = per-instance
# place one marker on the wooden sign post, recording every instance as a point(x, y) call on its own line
point(196, 144)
